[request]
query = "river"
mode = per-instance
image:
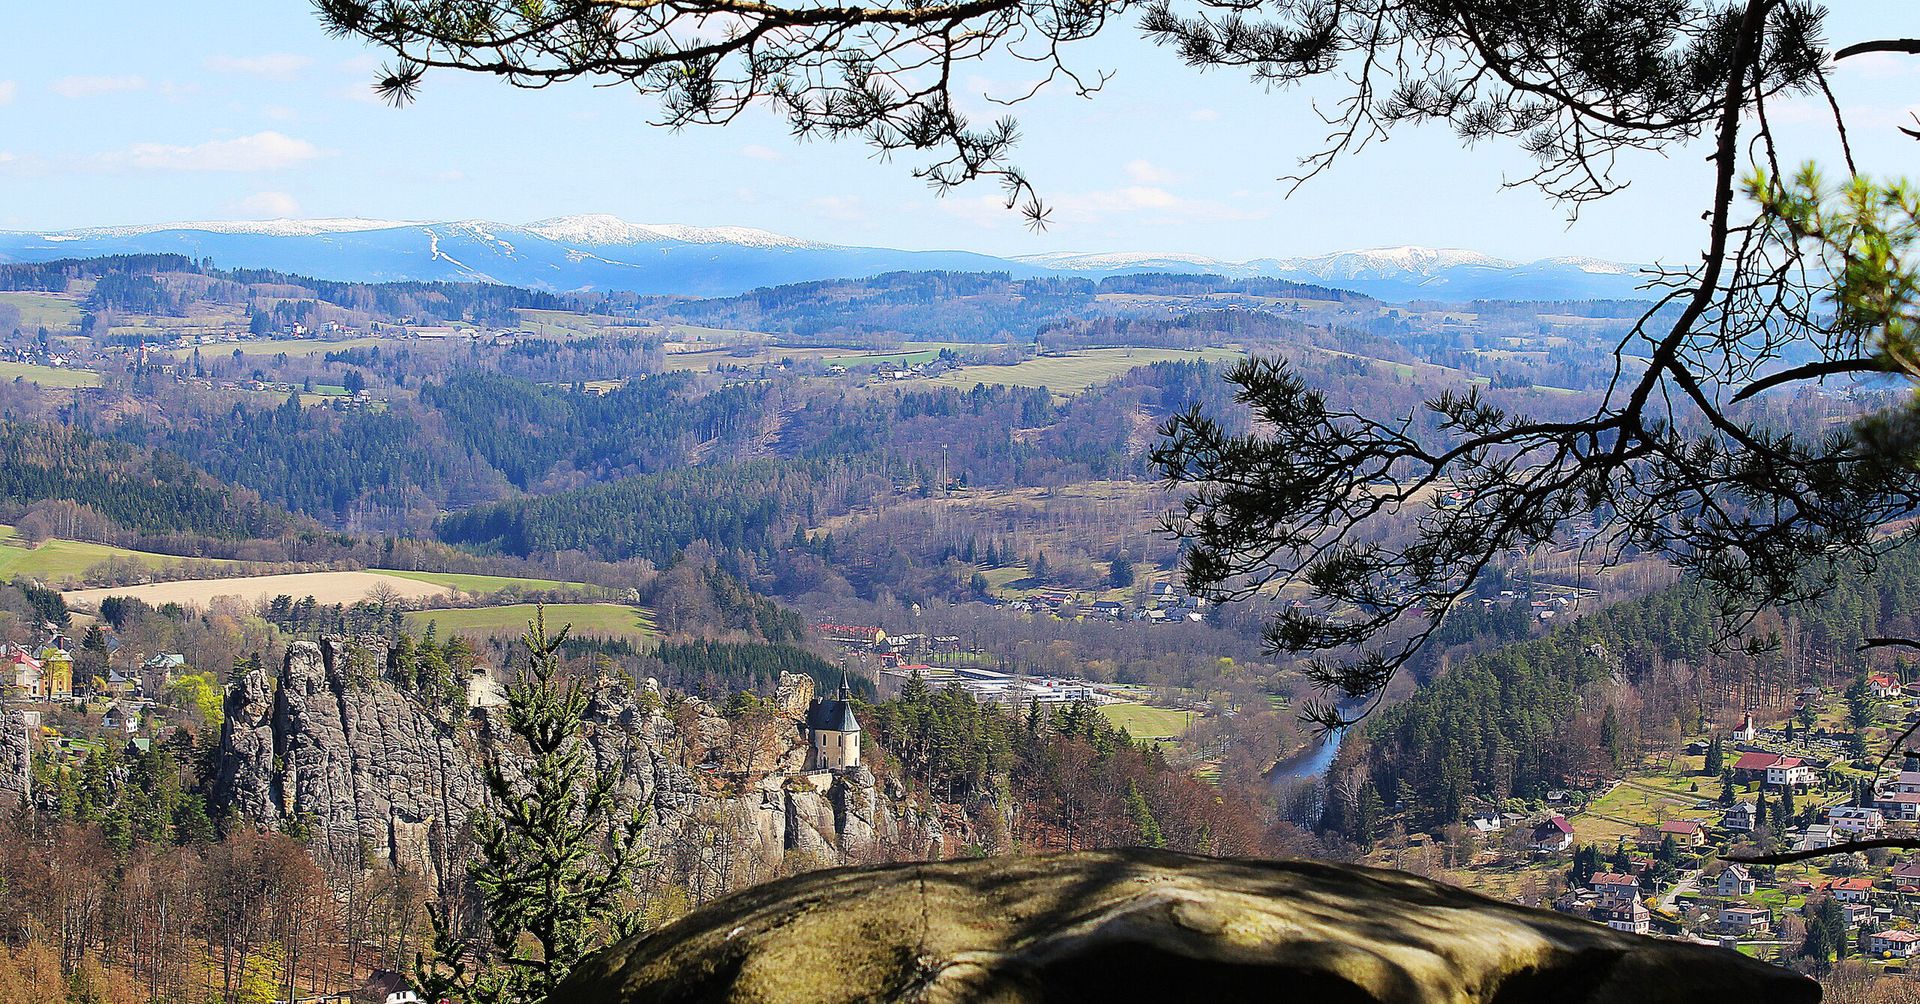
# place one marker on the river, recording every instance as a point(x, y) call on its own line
point(1309, 764)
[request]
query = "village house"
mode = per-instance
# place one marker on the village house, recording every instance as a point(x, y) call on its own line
point(1774, 770)
point(22, 672)
point(1818, 837)
point(1900, 805)
point(1856, 914)
point(1744, 920)
point(1897, 944)
point(165, 663)
point(1906, 781)
point(1883, 686)
point(1856, 889)
point(121, 718)
point(1735, 880)
point(1790, 772)
point(1553, 834)
point(1614, 888)
point(1856, 821)
point(1753, 766)
point(122, 684)
point(1632, 917)
point(1739, 819)
point(1906, 875)
point(1685, 832)
point(1747, 732)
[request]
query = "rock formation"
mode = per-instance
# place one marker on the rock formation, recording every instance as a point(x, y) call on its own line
point(16, 756)
point(366, 764)
point(1142, 925)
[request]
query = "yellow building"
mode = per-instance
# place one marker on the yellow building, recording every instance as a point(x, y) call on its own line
point(57, 664)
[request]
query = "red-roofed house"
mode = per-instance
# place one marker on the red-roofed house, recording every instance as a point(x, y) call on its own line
point(1849, 890)
point(1615, 888)
point(1899, 944)
point(1883, 686)
point(1553, 834)
point(20, 671)
point(1753, 766)
point(1685, 832)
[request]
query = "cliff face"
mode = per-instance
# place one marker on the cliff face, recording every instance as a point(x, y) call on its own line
point(1144, 925)
point(367, 765)
point(16, 757)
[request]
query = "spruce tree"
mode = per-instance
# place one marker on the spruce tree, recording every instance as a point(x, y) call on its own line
point(1146, 828)
point(556, 851)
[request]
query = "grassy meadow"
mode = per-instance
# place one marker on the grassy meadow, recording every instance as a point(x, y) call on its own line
point(604, 620)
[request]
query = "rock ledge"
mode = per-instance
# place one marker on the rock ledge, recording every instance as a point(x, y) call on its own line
point(1141, 925)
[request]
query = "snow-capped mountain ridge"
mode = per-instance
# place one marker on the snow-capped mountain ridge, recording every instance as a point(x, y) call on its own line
point(600, 229)
point(604, 252)
point(265, 228)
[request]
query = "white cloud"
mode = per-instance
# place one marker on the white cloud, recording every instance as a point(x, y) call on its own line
point(843, 208)
point(1204, 115)
point(262, 151)
point(90, 87)
point(758, 152)
point(275, 205)
point(1147, 173)
point(1146, 203)
point(986, 212)
point(277, 64)
point(1876, 66)
point(7, 90)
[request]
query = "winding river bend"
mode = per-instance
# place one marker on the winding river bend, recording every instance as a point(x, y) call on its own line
point(1309, 764)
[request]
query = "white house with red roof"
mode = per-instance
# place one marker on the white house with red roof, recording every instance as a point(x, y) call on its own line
point(1856, 889)
point(1899, 944)
point(21, 672)
point(1553, 834)
point(1883, 686)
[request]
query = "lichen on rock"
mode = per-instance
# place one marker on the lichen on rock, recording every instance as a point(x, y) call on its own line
point(1144, 925)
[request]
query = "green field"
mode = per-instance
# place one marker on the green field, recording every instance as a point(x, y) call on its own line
point(289, 346)
point(1073, 372)
point(605, 620)
point(1144, 721)
point(43, 310)
point(59, 560)
point(481, 585)
point(49, 376)
point(908, 354)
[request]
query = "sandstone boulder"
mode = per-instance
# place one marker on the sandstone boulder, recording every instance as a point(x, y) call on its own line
point(1139, 925)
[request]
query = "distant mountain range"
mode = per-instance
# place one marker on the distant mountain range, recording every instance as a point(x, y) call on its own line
point(607, 253)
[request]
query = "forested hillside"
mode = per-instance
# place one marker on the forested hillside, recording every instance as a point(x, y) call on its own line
point(1579, 703)
point(150, 491)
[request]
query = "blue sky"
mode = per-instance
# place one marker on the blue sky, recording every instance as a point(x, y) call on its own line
point(121, 112)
